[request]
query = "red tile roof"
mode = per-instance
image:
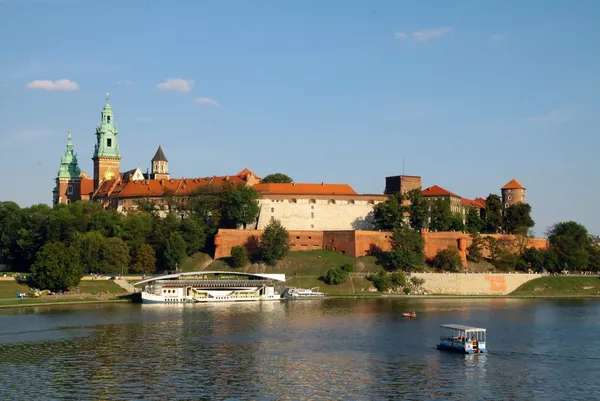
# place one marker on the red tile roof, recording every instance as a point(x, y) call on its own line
point(477, 202)
point(87, 186)
point(513, 184)
point(438, 191)
point(481, 202)
point(245, 172)
point(305, 189)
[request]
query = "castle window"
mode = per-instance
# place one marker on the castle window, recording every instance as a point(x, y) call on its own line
point(272, 210)
point(108, 119)
point(312, 215)
point(331, 201)
point(108, 142)
point(312, 201)
point(312, 207)
point(68, 201)
point(70, 189)
point(312, 226)
point(509, 198)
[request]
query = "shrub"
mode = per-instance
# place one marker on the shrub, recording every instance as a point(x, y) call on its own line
point(335, 276)
point(347, 268)
point(239, 256)
point(274, 243)
point(447, 260)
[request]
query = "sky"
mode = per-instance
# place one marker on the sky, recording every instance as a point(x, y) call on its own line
point(465, 94)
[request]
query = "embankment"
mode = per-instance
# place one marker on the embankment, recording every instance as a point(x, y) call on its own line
point(473, 283)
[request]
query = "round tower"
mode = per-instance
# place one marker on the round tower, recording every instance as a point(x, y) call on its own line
point(512, 193)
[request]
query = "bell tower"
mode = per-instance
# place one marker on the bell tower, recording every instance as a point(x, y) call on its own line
point(68, 179)
point(107, 156)
point(160, 165)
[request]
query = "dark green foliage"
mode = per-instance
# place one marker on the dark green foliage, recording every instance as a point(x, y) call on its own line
point(517, 218)
point(88, 246)
point(347, 268)
point(114, 256)
point(493, 214)
point(239, 206)
point(335, 276)
point(474, 223)
point(385, 281)
point(173, 251)
point(274, 243)
point(456, 224)
point(145, 260)
point(571, 242)
point(56, 267)
point(475, 250)
point(389, 215)
point(447, 260)
point(441, 215)
point(239, 256)
point(193, 232)
point(406, 253)
point(418, 209)
point(276, 178)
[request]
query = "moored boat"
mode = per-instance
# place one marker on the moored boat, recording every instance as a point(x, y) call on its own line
point(464, 339)
point(303, 293)
point(211, 286)
point(410, 315)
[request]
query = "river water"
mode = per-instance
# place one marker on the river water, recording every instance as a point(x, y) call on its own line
point(354, 349)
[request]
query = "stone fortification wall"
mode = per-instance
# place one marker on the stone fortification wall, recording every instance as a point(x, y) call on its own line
point(473, 284)
point(359, 243)
point(318, 214)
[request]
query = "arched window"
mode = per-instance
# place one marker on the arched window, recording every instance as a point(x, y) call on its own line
point(312, 201)
point(331, 201)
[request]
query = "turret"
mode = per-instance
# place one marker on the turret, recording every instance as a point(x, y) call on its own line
point(160, 165)
point(107, 155)
point(513, 193)
point(68, 178)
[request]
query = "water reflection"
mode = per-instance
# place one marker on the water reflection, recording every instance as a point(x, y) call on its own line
point(324, 349)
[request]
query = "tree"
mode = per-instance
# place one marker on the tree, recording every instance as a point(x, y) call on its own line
point(406, 253)
point(448, 260)
point(571, 243)
point(114, 256)
point(239, 256)
point(456, 224)
point(145, 260)
point(335, 276)
point(493, 214)
point(475, 250)
point(56, 267)
point(474, 223)
point(517, 218)
point(276, 178)
point(274, 243)
point(534, 259)
point(89, 246)
point(441, 215)
point(389, 215)
point(418, 209)
point(193, 232)
point(173, 251)
point(239, 206)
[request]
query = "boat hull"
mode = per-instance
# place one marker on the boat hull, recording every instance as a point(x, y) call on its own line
point(159, 299)
point(460, 350)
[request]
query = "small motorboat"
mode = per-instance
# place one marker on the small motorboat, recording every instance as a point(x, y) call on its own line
point(409, 315)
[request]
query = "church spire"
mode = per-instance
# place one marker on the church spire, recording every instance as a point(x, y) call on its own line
point(107, 155)
point(69, 168)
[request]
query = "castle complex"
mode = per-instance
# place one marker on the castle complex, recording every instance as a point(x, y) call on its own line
point(299, 206)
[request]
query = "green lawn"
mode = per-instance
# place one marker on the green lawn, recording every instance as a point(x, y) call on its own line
point(194, 263)
point(305, 263)
point(560, 286)
point(9, 289)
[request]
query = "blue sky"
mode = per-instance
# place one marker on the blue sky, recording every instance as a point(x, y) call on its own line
point(469, 93)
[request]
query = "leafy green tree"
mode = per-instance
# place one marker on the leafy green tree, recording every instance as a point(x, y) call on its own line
point(382, 281)
point(493, 214)
point(418, 209)
point(193, 232)
point(239, 205)
point(274, 243)
point(448, 260)
point(106, 222)
point(474, 223)
point(407, 251)
point(571, 242)
point(475, 250)
point(276, 178)
point(56, 267)
point(135, 229)
point(11, 221)
point(145, 260)
point(389, 215)
point(173, 251)
point(114, 256)
point(594, 260)
point(534, 259)
point(335, 276)
point(348, 267)
point(517, 218)
point(456, 224)
point(89, 247)
point(441, 215)
point(239, 256)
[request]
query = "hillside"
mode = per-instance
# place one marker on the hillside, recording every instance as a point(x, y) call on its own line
point(560, 286)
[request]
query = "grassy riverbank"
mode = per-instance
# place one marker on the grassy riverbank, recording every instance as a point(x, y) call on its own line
point(560, 286)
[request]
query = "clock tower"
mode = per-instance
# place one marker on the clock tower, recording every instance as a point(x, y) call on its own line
point(107, 156)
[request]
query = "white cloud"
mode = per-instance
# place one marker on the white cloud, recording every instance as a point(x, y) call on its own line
point(124, 82)
point(556, 116)
point(497, 37)
point(176, 85)
point(59, 85)
point(425, 34)
point(144, 119)
point(205, 100)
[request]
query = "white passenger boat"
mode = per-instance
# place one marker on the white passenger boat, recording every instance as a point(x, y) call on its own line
point(303, 293)
point(465, 339)
point(211, 286)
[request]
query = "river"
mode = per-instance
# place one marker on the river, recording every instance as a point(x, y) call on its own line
point(352, 349)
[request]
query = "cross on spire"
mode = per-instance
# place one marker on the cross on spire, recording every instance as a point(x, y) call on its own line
point(107, 97)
